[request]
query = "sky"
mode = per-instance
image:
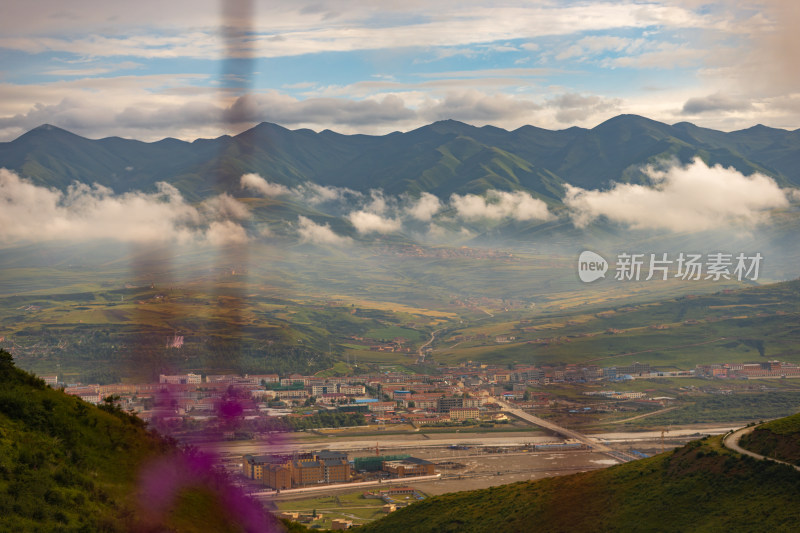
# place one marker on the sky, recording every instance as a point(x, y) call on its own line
point(201, 68)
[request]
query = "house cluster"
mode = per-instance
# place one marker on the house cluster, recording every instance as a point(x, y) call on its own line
point(455, 394)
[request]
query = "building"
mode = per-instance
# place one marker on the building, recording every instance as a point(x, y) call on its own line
point(51, 380)
point(306, 472)
point(335, 466)
point(253, 465)
point(410, 466)
point(444, 404)
point(300, 470)
point(380, 407)
point(181, 379)
point(291, 394)
point(465, 413)
point(325, 388)
point(353, 390)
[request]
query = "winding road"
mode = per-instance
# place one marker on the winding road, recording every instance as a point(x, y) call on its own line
point(731, 441)
point(421, 352)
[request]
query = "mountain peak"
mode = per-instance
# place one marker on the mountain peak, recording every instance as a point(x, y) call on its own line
point(46, 133)
point(450, 126)
point(49, 128)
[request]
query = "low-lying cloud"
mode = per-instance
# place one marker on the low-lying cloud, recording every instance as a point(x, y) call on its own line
point(499, 205)
point(376, 212)
point(310, 193)
point(37, 214)
point(425, 207)
point(311, 232)
point(367, 222)
point(255, 183)
point(687, 198)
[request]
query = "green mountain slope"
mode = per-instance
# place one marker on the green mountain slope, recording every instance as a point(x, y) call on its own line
point(444, 157)
point(700, 487)
point(66, 465)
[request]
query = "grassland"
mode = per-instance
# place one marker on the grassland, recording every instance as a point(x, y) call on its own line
point(730, 326)
point(351, 506)
point(105, 314)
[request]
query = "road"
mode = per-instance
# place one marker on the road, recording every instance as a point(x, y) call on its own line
point(564, 432)
point(343, 486)
point(731, 441)
point(421, 358)
point(644, 415)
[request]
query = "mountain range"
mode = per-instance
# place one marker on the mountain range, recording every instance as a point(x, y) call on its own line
point(442, 158)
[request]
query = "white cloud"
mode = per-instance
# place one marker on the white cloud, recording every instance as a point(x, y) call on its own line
point(498, 205)
point(368, 222)
point(314, 233)
point(37, 214)
point(256, 183)
point(715, 103)
point(223, 232)
point(309, 193)
point(477, 106)
point(185, 30)
point(572, 107)
point(225, 206)
point(316, 194)
point(682, 199)
point(598, 44)
point(378, 202)
point(425, 207)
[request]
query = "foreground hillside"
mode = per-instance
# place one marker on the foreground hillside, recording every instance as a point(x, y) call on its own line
point(779, 439)
point(700, 487)
point(68, 466)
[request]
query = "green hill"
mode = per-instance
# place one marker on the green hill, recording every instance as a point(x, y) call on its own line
point(66, 465)
point(442, 158)
point(700, 487)
point(779, 439)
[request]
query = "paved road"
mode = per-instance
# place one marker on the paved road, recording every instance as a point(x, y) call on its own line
point(564, 432)
point(731, 442)
point(347, 486)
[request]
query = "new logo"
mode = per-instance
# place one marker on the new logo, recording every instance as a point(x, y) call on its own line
point(591, 266)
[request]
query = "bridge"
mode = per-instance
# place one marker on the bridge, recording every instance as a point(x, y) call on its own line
point(564, 432)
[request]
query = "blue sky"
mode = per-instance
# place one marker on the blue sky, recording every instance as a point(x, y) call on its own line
point(149, 70)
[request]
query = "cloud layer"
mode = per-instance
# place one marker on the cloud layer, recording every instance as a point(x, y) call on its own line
point(498, 205)
point(37, 214)
point(682, 199)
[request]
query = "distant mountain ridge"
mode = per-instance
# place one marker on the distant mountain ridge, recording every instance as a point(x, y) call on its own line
point(442, 158)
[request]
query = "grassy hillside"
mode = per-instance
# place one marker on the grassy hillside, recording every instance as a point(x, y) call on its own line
point(700, 487)
point(779, 439)
point(66, 465)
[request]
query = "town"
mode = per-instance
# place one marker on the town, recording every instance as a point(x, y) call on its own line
point(456, 391)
